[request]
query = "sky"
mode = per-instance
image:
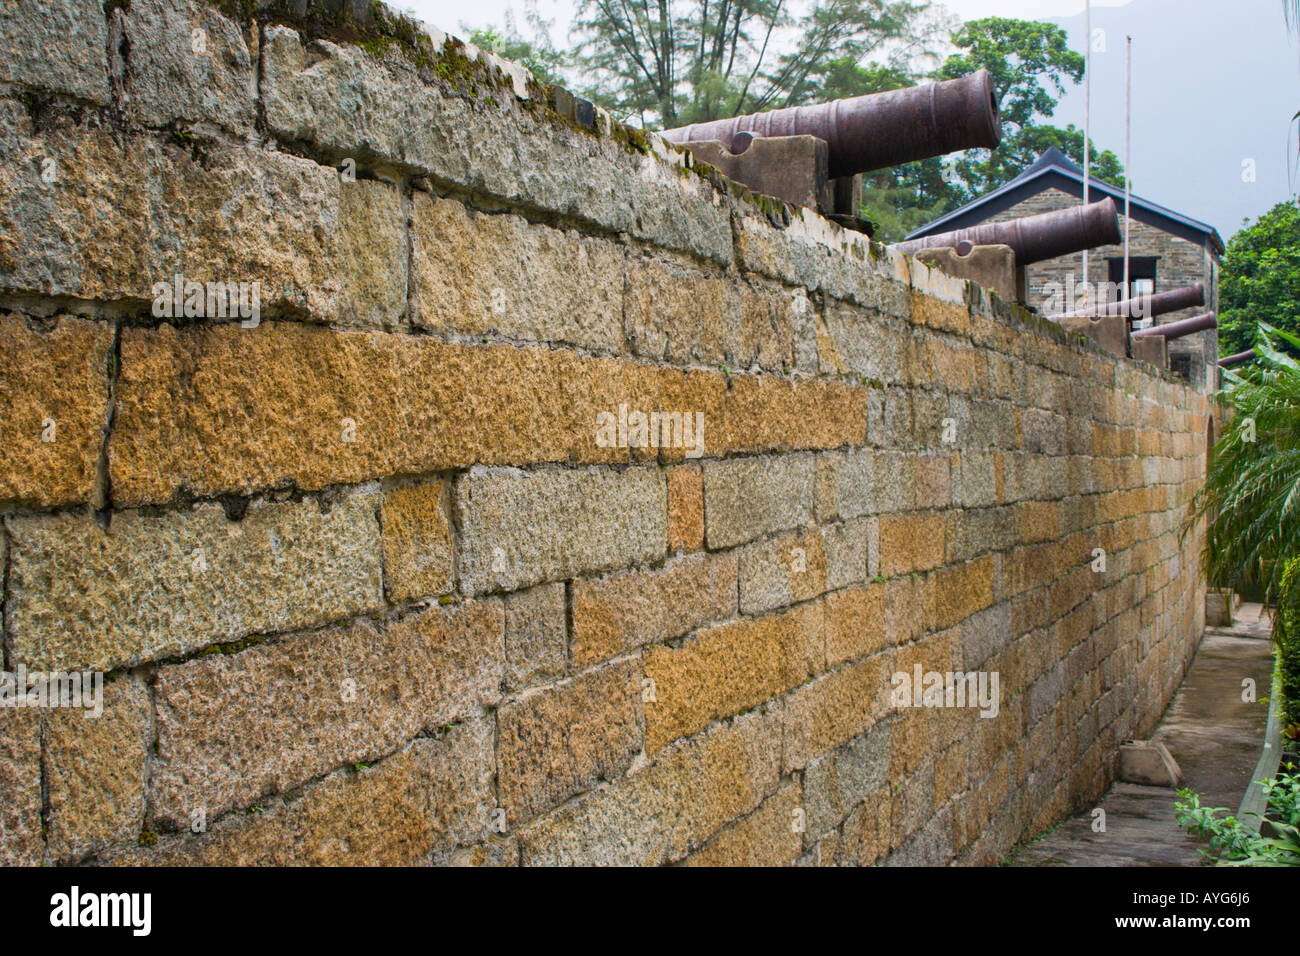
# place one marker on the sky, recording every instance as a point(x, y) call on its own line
point(448, 15)
point(1210, 107)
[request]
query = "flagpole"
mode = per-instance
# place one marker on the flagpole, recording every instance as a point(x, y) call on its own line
point(1128, 154)
point(1087, 126)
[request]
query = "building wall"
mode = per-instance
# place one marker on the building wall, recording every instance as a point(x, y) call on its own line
point(367, 578)
point(1180, 263)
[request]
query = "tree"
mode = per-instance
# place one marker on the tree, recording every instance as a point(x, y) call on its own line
point(1030, 64)
point(901, 200)
point(672, 62)
point(833, 58)
point(538, 54)
point(1026, 59)
point(1251, 497)
point(1286, 634)
point(1260, 278)
point(845, 77)
point(545, 63)
point(1033, 141)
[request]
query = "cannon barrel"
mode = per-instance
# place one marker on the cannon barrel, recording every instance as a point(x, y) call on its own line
point(1176, 330)
point(1159, 303)
point(877, 130)
point(1240, 358)
point(1035, 238)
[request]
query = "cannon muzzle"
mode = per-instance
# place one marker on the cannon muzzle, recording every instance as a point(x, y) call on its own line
point(1144, 306)
point(1241, 358)
point(1176, 330)
point(877, 130)
point(1035, 238)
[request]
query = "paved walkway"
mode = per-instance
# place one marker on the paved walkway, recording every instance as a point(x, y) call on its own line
point(1214, 736)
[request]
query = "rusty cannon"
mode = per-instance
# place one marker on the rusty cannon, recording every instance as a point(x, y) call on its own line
point(1176, 330)
point(1144, 306)
point(1151, 344)
point(814, 155)
point(1241, 358)
point(1035, 238)
point(875, 131)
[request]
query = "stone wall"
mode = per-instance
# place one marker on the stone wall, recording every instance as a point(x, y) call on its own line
point(1181, 263)
point(372, 574)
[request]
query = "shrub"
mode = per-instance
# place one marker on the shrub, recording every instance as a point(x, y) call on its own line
point(1251, 497)
point(1232, 843)
point(1286, 634)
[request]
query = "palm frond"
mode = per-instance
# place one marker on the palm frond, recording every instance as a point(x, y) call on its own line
point(1250, 502)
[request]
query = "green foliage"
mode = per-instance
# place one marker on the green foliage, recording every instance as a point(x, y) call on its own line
point(1260, 278)
point(1283, 794)
point(1030, 65)
point(545, 63)
point(1227, 836)
point(674, 62)
point(1033, 141)
point(538, 54)
point(1028, 61)
point(836, 38)
point(1251, 496)
point(905, 198)
point(1286, 634)
point(1232, 843)
point(844, 77)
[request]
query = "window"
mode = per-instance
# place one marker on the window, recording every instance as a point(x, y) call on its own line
point(1141, 278)
point(1141, 275)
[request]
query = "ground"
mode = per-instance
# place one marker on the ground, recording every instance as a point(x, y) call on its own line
point(1213, 734)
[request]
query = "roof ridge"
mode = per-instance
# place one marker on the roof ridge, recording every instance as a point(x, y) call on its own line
point(1046, 165)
